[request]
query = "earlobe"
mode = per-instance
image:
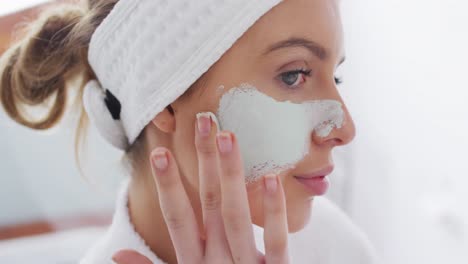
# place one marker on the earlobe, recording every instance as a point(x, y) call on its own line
point(165, 120)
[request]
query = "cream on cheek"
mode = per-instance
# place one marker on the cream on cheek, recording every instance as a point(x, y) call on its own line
point(273, 136)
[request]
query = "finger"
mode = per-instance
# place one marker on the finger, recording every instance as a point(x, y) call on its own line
point(130, 257)
point(275, 233)
point(260, 257)
point(176, 208)
point(216, 246)
point(235, 206)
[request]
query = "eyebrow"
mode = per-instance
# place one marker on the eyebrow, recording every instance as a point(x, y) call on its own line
point(312, 46)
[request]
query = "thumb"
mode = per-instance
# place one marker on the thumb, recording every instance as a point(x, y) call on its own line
point(130, 257)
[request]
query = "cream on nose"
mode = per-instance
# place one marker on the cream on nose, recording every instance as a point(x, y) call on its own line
point(338, 136)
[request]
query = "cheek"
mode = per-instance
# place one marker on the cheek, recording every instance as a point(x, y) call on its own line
point(184, 147)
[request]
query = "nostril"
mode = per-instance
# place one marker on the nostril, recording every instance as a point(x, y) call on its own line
point(331, 140)
point(340, 142)
point(336, 142)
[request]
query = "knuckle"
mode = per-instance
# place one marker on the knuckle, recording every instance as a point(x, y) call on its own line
point(211, 200)
point(174, 222)
point(175, 216)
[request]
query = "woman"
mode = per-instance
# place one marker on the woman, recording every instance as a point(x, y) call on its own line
point(158, 75)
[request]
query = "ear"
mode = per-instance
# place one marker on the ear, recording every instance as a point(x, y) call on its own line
point(165, 120)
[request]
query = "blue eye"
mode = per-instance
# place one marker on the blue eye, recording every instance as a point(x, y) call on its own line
point(295, 78)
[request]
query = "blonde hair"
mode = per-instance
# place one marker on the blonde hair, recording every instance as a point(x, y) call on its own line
point(49, 59)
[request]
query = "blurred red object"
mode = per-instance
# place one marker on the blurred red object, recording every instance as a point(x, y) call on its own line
point(44, 227)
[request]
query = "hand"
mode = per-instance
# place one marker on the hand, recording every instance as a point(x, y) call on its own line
point(226, 215)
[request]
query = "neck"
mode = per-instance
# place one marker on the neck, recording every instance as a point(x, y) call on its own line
point(146, 217)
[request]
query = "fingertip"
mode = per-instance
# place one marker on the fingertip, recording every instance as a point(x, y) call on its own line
point(160, 158)
point(235, 143)
point(130, 257)
point(158, 151)
point(206, 124)
point(224, 142)
point(119, 257)
point(233, 138)
point(225, 135)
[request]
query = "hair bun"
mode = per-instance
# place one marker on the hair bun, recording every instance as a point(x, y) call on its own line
point(37, 67)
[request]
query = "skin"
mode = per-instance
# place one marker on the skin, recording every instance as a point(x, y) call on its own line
point(202, 170)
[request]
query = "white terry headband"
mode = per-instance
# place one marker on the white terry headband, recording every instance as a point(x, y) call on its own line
point(147, 53)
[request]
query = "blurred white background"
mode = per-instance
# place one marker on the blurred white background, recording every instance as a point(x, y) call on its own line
point(402, 180)
point(406, 87)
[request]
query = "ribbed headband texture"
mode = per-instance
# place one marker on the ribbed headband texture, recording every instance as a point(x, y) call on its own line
point(147, 53)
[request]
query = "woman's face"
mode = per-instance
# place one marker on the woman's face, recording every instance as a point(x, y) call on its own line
point(292, 53)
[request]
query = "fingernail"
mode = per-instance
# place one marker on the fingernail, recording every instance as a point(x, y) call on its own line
point(271, 183)
point(119, 258)
point(160, 159)
point(224, 141)
point(204, 124)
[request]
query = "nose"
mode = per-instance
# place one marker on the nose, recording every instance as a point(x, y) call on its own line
point(338, 136)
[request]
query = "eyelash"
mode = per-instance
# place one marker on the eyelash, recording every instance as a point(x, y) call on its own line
point(338, 80)
point(307, 73)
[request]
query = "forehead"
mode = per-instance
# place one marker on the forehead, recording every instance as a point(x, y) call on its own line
point(315, 20)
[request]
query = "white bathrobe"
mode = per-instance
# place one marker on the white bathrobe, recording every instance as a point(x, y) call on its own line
point(329, 238)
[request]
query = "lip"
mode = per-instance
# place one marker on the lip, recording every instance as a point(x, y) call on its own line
point(316, 182)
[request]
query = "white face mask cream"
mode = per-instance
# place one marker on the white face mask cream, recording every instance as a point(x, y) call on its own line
point(273, 136)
